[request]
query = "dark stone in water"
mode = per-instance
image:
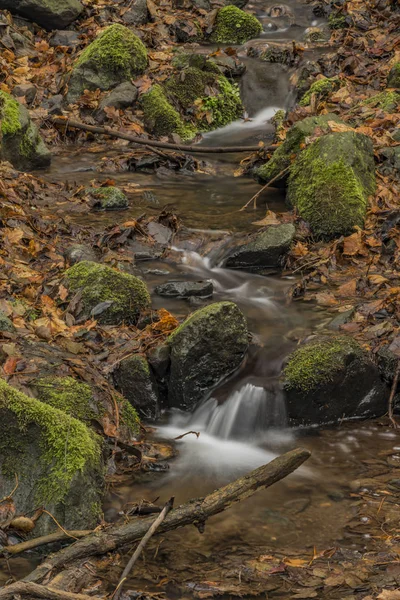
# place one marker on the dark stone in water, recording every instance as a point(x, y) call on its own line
point(135, 380)
point(185, 289)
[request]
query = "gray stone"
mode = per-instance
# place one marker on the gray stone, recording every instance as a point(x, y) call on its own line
point(5, 323)
point(159, 232)
point(123, 96)
point(263, 250)
point(185, 289)
point(160, 360)
point(25, 89)
point(51, 14)
point(206, 348)
point(78, 252)
point(135, 381)
point(67, 38)
point(137, 13)
point(341, 319)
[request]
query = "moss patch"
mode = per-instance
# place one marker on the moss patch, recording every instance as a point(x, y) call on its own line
point(68, 446)
point(10, 115)
point(321, 88)
point(161, 118)
point(128, 294)
point(387, 101)
point(393, 80)
point(316, 363)
point(234, 26)
point(108, 198)
point(68, 395)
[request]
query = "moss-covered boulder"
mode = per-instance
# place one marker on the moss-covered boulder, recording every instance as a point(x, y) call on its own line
point(330, 182)
point(107, 198)
point(78, 400)
point(331, 378)
point(320, 89)
point(234, 26)
point(284, 154)
point(57, 460)
point(205, 349)
point(161, 118)
point(393, 80)
point(136, 382)
point(20, 143)
point(116, 55)
point(50, 14)
point(126, 295)
point(263, 250)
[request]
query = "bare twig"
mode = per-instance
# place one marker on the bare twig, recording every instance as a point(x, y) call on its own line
point(254, 198)
point(58, 536)
point(152, 529)
point(196, 433)
point(392, 395)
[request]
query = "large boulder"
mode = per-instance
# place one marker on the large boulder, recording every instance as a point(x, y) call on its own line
point(115, 56)
point(109, 295)
point(234, 26)
point(331, 378)
point(263, 250)
point(56, 458)
point(205, 349)
point(283, 155)
point(51, 14)
point(330, 182)
point(20, 143)
point(136, 382)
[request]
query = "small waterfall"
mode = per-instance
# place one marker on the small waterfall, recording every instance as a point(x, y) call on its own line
point(246, 414)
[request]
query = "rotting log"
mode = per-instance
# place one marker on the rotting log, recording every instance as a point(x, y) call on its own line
point(195, 511)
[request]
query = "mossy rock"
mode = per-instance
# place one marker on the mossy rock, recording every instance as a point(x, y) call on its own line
point(107, 198)
point(115, 56)
point(337, 20)
point(393, 80)
point(98, 283)
point(50, 14)
point(234, 26)
point(263, 250)
point(136, 382)
point(161, 118)
point(331, 378)
point(5, 323)
point(205, 349)
point(78, 400)
point(388, 101)
point(20, 143)
point(321, 89)
point(330, 182)
point(57, 459)
point(283, 155)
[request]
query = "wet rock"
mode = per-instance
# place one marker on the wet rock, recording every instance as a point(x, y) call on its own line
point(341, 319)
point(331, 378)
point(234, 26)
point(281, 158)
point(387, 363)
point(54, 104)
point(393, 80)
point(159, 232)
point(263, 250)
point(187, 32)
point(27, 90)
point(123, 96)
point(159, 360)
point(330, 182)
point(320, 89)
point(115, 56)
point(66, 38)
point(57, 459)
point(21, 143)
point(135, 381)
point(207, 347)
point(137, 13)
point(52, 14)
point(238, 3)
point(315, 35)
point(107, 198)
point(5, 323)
point(121, 297)
point(307, 75)
point(185, 289)
point(79, 252)
point(230, 66)
point(391, 164)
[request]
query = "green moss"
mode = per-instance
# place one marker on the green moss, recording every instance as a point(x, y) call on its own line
point(234, 26)
point(198, 315)
point(130, 418)
point(337, 21)
point(393, 80)
point(68, 395)
point(188, 85)
point(387, 101)
point(330, 182)
point(67, 445)
point(118, 50)
point(225, 107)
point(161, 117)
point(108, 198)
point(317, 362)
point(99, 283)
point(321, 88)
point(29, 141)
point(10, 115)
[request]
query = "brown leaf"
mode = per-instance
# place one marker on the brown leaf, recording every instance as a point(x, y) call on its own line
point(389, 595)
point(347, 289)
point(9, 365)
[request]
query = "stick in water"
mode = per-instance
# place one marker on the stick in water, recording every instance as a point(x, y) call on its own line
point(152, 529)
point(392, 395)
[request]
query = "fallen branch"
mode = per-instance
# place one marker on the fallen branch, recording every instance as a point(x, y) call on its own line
point(254, 198)
point(152, 529)
point(392, 395)
point(39, 591)
point(154, 143)
point(196, 511)
point(196, 433)
point(58, 536)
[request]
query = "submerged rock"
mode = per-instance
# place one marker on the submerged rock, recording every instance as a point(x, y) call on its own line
point(206, 348)
point(234, 26)
point(51, 14)
point(135, 381)
point(57, 460)
point(331, 378)
point(21, 143)
point(330, 182)
point(126, 296)
point(263, 250)
point(115, 56)
point(107, 198)
point(185, 289)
